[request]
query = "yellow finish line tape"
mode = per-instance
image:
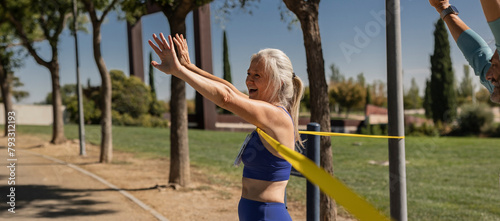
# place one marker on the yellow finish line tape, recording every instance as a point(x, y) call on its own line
point(349, 135)
point(327, 183)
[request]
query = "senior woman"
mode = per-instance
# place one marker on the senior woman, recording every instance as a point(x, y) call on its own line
point(272, 105)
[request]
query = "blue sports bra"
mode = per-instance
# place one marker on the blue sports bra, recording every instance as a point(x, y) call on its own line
point(260, 164)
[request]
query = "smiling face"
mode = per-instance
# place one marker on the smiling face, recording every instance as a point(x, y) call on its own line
point(493, 75)
point(258, 81)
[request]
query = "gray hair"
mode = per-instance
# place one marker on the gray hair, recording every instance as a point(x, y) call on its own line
point(280, 70)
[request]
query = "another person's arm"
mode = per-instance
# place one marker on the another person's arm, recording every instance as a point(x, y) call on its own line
point(454, 23)
point(491, 9)
point(473, 47)
point(182, 46)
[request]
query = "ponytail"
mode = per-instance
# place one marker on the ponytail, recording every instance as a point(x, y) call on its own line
point(298, 91)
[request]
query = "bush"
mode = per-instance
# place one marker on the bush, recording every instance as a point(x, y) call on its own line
point(91, 113)
point(145, 120)
point(157, 108)
point(132, 103)
point(474, 120)
point(422, 130)
point(130, 95)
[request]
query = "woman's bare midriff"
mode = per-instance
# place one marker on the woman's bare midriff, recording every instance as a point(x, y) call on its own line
point(263, 191)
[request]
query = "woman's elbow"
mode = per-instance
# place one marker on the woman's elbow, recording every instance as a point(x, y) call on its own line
point(226, 98)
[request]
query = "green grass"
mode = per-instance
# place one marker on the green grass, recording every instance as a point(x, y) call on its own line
point(447, 178)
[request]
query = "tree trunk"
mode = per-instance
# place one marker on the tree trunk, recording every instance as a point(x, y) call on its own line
point(106, 123)
point(179, 150)
point(6, 96)
point(53, 66)
point(307, 13)
point(58, 125)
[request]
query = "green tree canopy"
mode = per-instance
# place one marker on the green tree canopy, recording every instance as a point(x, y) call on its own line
point(348, 94)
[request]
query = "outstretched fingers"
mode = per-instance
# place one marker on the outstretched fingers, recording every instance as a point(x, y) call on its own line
point(164, 41)
point(171, 42)
point(158, 42)
point(184, 42)
point(155, 48)
point(178, 43)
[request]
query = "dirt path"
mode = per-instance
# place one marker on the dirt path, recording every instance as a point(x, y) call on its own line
point(62, 192)
point(46, 190)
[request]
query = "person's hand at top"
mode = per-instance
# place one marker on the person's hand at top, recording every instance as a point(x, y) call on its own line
point(182, 46)
point(166, 51)
point(440, 5)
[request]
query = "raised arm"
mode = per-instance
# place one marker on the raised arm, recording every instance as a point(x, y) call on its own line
point(182, 46)
point(259, 113)
point(491, 9)
point(454, 23)
point(473, 47)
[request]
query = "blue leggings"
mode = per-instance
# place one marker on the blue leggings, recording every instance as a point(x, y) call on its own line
point(250, 210)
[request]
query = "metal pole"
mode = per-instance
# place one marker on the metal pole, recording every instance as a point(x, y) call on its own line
point(312, 152)
point(397, 168)
point(81, 129)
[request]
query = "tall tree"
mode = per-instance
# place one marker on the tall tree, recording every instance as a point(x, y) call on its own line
point(98, 10)
point(466, 88)
point(368, 99)
point(227, 65)
point(412, 98)
point(307, 14)
point(378, 93)
point(361, 79)
point(179, 165)
point(152, 76)
point(176, 12)
point(428, 99)
point(444, 100)
point(336, 75)
point(348, 94)
point(7, 64)
point(35, 20)
point(225, 57)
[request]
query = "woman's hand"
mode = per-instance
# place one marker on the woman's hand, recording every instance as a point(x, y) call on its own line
point(169, 62)
point(182, 46)
point(440, 4)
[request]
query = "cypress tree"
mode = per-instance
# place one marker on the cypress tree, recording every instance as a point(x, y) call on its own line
point(443, 93)
point(368, 95)
point(152, 76)
point(428, 99)
point(465, 90)
point(227, 66)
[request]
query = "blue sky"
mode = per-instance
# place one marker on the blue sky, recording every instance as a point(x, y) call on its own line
point(343, 24)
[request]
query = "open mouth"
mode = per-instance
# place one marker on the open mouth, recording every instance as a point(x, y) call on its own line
point(495, 83)
point(252, 90)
